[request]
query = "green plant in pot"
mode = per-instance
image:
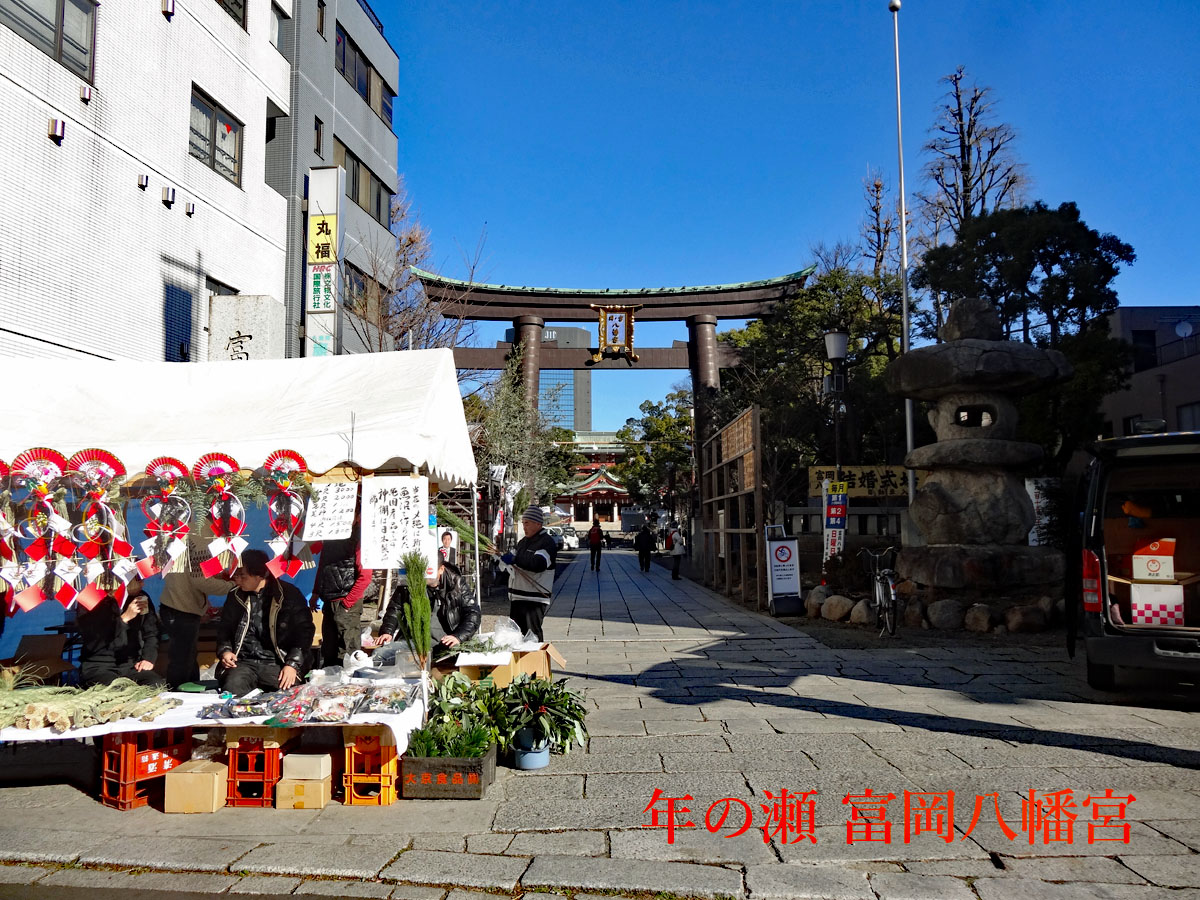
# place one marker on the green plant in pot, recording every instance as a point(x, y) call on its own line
point(543, 716)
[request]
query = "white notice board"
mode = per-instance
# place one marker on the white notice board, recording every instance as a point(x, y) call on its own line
point(395, 520)
point(330, 514)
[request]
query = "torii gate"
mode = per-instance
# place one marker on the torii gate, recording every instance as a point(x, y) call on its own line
point(529, 308)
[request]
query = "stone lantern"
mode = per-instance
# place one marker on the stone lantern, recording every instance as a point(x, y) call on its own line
point(973, 510)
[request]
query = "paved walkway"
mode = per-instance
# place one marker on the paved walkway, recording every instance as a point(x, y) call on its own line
point(696, 697)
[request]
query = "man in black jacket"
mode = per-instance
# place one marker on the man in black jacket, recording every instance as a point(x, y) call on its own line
point(119, 643)
point(340, 585)
point(452, 604)
point(265, 631)
point(644, 545)
point(531, 573)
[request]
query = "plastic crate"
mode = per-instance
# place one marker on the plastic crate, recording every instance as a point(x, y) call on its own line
point(372, 769)
point(133, 764)
point(254, 770)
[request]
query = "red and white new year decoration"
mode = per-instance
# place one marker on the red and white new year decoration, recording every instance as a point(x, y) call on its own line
point(37, 471)
point(285, 509)
point(227, 515)
point(9, 568)
point(168, 517)
point(101, 533)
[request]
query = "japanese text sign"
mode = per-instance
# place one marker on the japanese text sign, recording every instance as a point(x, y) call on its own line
point(862, 481)
point(331, 511)
point(395, 520)
point(322, 239)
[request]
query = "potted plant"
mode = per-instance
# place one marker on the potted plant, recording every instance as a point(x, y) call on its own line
point(454, 755)
point(541, 717)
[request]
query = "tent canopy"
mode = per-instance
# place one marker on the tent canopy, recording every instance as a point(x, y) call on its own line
point(379, 411)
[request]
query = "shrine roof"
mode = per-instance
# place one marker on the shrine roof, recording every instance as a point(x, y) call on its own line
point(499, 301)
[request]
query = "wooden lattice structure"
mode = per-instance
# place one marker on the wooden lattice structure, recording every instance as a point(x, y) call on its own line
point(731, 511)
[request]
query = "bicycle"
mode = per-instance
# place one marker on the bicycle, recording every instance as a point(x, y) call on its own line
point(883, 587)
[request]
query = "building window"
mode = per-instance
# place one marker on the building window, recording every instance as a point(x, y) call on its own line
point(65, 30)
point(215, 138)
point(362, 185)
point(1145, 349)
point(212, 286)
point(319, 138)
point(277, 26)
point(236, 10)
point(1187, 417)
point(321, 17)
point(362, 76)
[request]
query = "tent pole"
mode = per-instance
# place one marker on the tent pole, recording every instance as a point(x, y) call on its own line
point(475, 525)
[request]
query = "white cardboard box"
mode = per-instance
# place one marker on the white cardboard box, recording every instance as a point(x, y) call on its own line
point(1157, 604)
point(1155, 561)
point(307, 766)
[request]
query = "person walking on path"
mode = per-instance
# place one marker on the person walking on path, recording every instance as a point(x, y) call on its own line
point(674, 547)
point(644, 545)
point(340, 585)
point(596, 544)
point(531, 573)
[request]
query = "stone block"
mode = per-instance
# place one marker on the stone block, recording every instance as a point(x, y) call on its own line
point(265, 884)
point(907, 886)
point(465, 869)
point(697, 845)
point(352, 889)
point(800, 882)
point(1025, 619)
point(946, 615)
point(558, 843)
point(193, 854)
point(862, 614)
point(349, 861)
point(632, 875)
point(978, 618)
point(1166, 871)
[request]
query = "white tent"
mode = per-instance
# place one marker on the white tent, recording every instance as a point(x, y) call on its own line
point(379, 411)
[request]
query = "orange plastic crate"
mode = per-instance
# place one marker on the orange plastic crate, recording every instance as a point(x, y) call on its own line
point(134, 762)
point(254, 770)
point(371, 773)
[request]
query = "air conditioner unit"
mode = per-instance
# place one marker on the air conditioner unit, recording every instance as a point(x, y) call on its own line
point(168, 195)
point(143, 181)
point(85, 93)
point(168, 8)
point(189, 208)
point(56, 130)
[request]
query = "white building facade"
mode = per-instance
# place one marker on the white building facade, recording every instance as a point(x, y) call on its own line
point(152, 193)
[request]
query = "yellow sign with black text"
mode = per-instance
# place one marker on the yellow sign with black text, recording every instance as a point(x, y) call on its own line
point(863, 481)
point(322, 239)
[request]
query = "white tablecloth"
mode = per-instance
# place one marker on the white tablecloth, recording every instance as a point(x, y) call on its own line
point(187, 716)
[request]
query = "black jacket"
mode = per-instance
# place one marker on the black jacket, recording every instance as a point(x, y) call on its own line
point(644, 541)
point(110, 642)
point(453, 605)
point(338, 570)
point(290, 626)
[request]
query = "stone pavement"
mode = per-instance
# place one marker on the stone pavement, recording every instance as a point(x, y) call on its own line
point(723, 710)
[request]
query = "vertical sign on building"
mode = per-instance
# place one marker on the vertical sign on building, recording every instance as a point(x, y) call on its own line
point(835, 519)
point(322, 277)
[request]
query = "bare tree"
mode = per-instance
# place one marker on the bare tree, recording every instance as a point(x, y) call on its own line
point(972, 168)
point(386, 304)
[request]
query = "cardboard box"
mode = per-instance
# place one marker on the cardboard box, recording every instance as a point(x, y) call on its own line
point(307, 766)
point(1155, 561)
point(297, 793)
point(272, 738)
point(42, 655)
point(1157, 604)
point(531, 662)
point(196, 786)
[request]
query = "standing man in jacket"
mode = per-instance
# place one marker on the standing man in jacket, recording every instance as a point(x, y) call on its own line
point(595, 544)
point(531, 573)
point(183, 604)
point(340, 585)
point(644, 545)
point(265, 631)
point(675, 543)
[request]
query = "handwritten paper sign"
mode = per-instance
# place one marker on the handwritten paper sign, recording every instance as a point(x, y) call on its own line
point(395, 520)
point(331, 511)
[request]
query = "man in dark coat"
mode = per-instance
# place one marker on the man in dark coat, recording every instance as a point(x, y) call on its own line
point(644, 545)
point(265, 632)
point(119, 642)
point(340, 585)
point(451, 603)
point(531, 573)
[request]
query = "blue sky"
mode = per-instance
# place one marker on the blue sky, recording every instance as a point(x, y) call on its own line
point(632, 144)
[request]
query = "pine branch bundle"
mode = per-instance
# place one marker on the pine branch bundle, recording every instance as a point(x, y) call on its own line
point(416, 609)
point(466, 534)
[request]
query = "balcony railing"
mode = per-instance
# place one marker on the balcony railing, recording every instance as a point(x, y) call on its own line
point(1177, 350)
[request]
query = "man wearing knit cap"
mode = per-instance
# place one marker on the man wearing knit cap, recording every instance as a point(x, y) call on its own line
point(530, 573)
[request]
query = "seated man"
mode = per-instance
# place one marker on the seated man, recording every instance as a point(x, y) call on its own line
point(119, 643)
point(265, 630)
point(449, 600)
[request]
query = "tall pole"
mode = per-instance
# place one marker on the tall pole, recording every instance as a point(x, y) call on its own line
point(894, 6)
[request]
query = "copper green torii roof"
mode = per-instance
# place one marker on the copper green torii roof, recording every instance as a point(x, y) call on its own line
point(741, 300)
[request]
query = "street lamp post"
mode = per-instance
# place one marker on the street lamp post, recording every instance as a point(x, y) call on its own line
point(836, 342)
point(894, 6)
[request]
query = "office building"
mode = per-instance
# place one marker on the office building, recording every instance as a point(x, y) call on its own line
point(565, 395)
